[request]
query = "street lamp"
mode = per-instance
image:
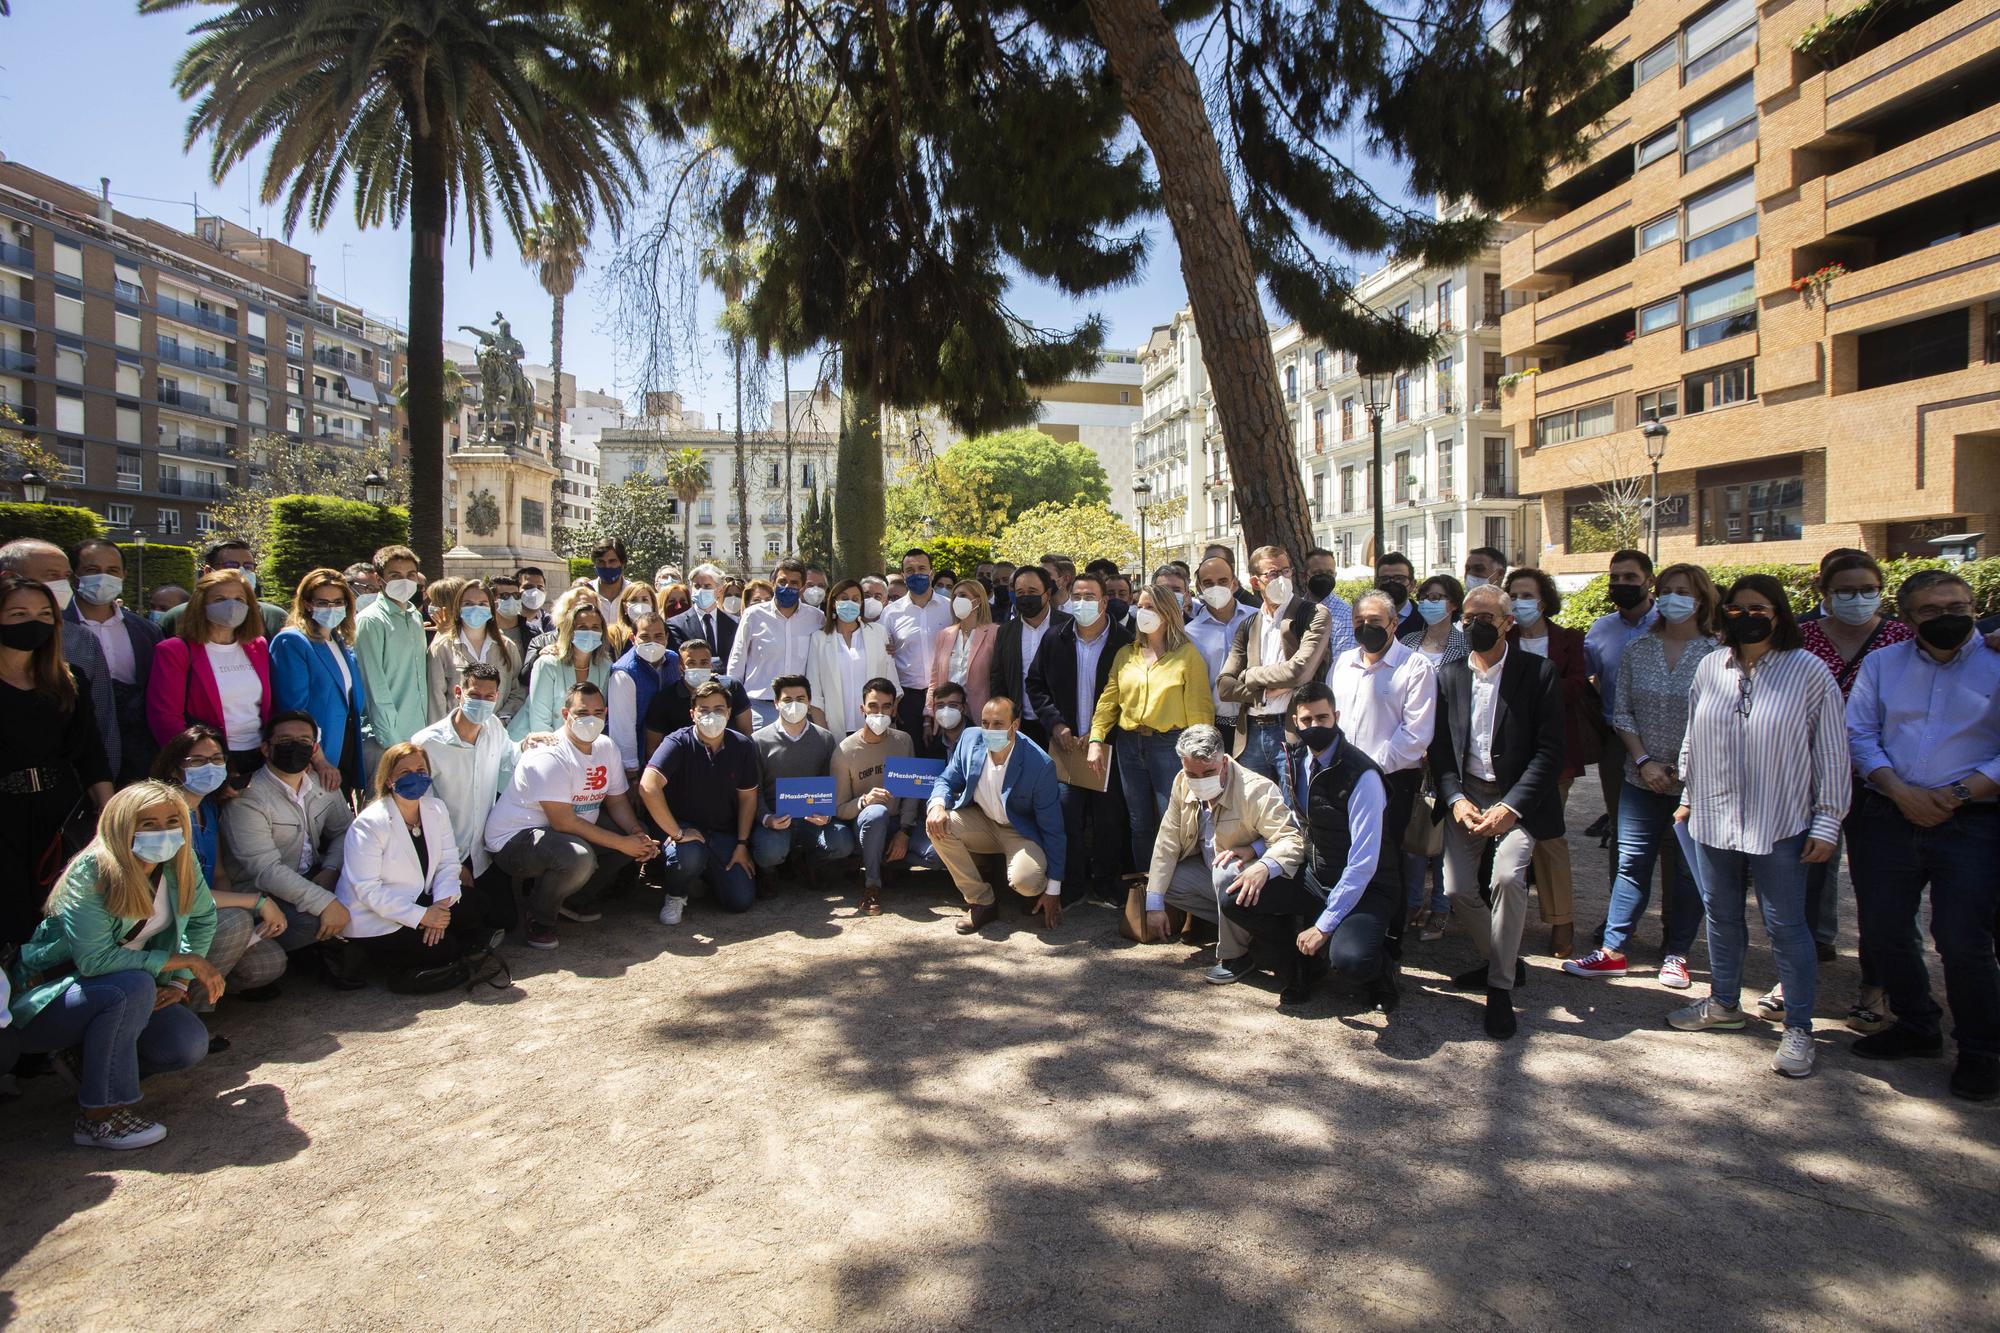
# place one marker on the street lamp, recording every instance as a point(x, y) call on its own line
point(1142, 491)
point(139, 562)
point(34, 487)
point(1375, 400)
point(1655, 432)
point(375, 487)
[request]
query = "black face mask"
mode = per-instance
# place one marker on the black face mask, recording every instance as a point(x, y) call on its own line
point(25, 636)
point(1625, 596)
point(1117, 608)
point(1397, 592)
point(1318, 738)
point(1029, 604)
point(1481, 637)
point(1748, 629)
point(1320, 586)
point(292, 757)
point(1372, 638)
point(1945, 632)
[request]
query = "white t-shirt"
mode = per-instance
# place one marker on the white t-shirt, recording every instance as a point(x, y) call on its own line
point(242, 695)
point(1539, 647)
point(558, 772)
point(853, 652)
point(162, 916)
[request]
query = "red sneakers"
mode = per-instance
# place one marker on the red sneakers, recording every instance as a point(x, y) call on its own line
point(1598, 964)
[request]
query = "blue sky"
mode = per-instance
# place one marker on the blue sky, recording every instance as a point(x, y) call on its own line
point(85, 92)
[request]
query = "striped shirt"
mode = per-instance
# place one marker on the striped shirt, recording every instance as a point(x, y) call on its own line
point(1765, 754)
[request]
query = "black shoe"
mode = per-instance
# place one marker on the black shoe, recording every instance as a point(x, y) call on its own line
point(1476, 978)
point(343, 966)
point(1599, 827)
point(1229, 970)
point(1977, 1078)
point(217, 1044)
point(1384, 993)
point(1500, 1023)
point(258, 994)
point(1827, 953)
point(978, 917)
point(1897, 1042)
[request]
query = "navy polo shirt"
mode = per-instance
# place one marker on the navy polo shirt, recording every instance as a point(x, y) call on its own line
point(702, 783)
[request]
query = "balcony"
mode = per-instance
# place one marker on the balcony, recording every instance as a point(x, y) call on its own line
point(1951, 158)
point(338, 360)
point(186, 312)
point(193, 488)
point(18, 311)
point(17, 361)
point(187, 400)
point(17, 414)
point(196, 445)
point(130, 481)
point(13, 256)
point(129, 292)
point(198, 357)
point(1934, 49)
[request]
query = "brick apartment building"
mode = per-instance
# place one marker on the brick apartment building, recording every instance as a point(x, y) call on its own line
point(1657, 278)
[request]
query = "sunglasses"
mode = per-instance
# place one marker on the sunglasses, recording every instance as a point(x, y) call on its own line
point(1759, 612)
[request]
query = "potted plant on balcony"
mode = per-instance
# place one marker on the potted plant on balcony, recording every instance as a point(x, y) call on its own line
point(1814, 286)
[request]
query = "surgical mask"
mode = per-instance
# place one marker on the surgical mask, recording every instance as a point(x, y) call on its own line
point(1481, 637)
point(329, 618)
point(918, 584)
point(226, 614)
point(710, 724)
point(1474, 581)
point(411, 786)
point(814, 596)
point(1625, 596)
point(997, 739)
point(586, 727)
point(1320, 586)
point(475, 617)
point(292, 757)
point(249, 577)
point(365, 600)
point(793, 711)
point(961, 607)
point(589, 640)
point(847, 612)
point(698, 676)
point(100, 589)
point(878, 723)
point(1433, 609)
point(1278, 589)
point(704, 599)
point(156, 845)
point(1218, 597)
point(1851, 608)
point(1205, 789)
point(62, 592)
point(477, 711)
point(201, 779)
point(872, 609)
point(1527, 610)
point(1674, 606)
point(1029, 604)
point(509, 607)
point(400, 590)
point(730, 605)
point(609, 573)
point(1318, 738)
point(947, 719)
point(1372, 638)
point(786, 598)
point(633, 610)
point(533, 598)
point(1086, 613)
point(1149, 620)
point(650, 653)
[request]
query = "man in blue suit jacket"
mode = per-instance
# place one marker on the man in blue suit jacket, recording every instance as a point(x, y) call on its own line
point(998, 794)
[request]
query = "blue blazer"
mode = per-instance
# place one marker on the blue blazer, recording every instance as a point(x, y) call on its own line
point(303, 676)
point(1029, 789)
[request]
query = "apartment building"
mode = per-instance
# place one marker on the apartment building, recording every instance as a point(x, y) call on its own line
point(1175, 432)
point(1785, 246)
point(145, 357)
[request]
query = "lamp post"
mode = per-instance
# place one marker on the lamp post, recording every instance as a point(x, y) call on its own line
point(139, 565)
point(375, 487)
point(34, 487)
point(1375, 401)
point(1655, 433)
point(1142, 491)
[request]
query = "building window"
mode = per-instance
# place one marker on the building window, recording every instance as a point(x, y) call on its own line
point(1291, 384)
point(1444, 304)
point(129, 471)
point(1716, 35)
point(1582, 424)
point(1758, 502)
point(128, 425)
point(1319, 428)
point(1657, 62)
point(1347, 418)
point(1660, 315)
point(118, 516)
point(1937, 345)
point(69, 364)
point(1403, 313)
point(1655, 147)
point(1720, 308)
point(1721, 216)
point(1403, 396)
point(128, 380)
point(170, 522)
point(1496, 469)
point(1720, 387)
point(1496, 533)
point(1723, 122)
point(1659, 231)
point(69, 314)
point(1447, 470)
point(69, 259)
point(706, 547)
point(1401, 463)
point(1659, 404)
point(705, 512)
point(70, 456)
point(1318, 493)
point(1347, 490)
point(771, 545)
point(1444, 551)
point(204, 523)
point(69, 411)
point(1319, 368)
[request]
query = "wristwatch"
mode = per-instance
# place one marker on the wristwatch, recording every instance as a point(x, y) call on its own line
point(1961, 791)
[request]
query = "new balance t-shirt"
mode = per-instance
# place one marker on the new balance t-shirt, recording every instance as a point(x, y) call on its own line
point(558, 772)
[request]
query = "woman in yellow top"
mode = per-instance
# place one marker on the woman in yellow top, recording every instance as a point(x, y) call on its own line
point(1158, 684)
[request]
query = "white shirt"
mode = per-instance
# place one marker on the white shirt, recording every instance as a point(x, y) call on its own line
point(987, 795)
point(1271, 637)
point(913, 630)
point(1031, 643)
point(333, 649)
point(242, 694)
point(1212, 638)
point(770, 644)
point(556, 773)
point(468, 777)
point(851, 651)
point(485, 648)
point(116, 641)
point(1539, 647)
point(1388, 708)
point(157, 922)
point(1485, 712)
point(307, 852)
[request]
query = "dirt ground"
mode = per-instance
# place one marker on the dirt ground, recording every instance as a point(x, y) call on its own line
point(805, 1119)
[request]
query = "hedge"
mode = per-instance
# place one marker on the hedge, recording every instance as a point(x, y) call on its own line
point(1591, 601)
point(161, 565)
point(65, 525)
point(961, 555)
point(308, 532)
point(580, 567)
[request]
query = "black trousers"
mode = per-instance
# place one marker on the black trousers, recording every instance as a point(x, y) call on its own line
point(1402, 789)
point(1356, 954)
point(1099, 839)
point(1032, 728)
point(473, 921)
point(910, 714)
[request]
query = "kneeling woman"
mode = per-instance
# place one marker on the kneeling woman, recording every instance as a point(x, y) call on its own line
point(401, 880)
point(110, 969)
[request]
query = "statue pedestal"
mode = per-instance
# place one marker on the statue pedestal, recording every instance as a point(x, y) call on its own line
point(504, 518)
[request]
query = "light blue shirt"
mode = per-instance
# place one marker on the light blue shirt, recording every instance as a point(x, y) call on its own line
point(1339, 630)
point(1365, 806)
point(1934, 723)
point(1211, 639)
point(1604, 644)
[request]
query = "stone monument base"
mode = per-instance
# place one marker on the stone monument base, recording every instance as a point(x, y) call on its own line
point(506, 492)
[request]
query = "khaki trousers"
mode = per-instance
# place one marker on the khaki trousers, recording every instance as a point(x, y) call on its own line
point(1552, 876)
point(969, 833)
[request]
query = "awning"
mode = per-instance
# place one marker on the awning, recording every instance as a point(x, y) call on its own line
point(362, 389)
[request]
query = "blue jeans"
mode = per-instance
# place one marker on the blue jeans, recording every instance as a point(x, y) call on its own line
point(1893, 862)
point(124, 1038)
point(1147, 766)
point(1263, 746)
point(763, 712)
point(690, 863)
point(825, 842)
point(1823, 897)
point(1415, 866)
point(1645, 833)
point(873, 829)
point(1781, 895)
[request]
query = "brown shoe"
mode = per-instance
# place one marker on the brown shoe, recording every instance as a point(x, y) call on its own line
point(871, 902)
point(977, 917)
point(1561, 940)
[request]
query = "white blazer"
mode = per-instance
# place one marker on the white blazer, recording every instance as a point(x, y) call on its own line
point(380, 877)
point(829, 689)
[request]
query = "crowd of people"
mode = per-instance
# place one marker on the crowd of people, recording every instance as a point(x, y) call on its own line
point(385, 777)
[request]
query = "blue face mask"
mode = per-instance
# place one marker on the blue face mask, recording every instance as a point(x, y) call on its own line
point(918, 584)
point(477, 711)
point(849, 612)
point(787, 598)
point(1433, 609)
point(704, 599)
point(610, 575)
point(100, 589)
point(156, 845)
point(587, 639)
point(1674, 606)
point(411, 785)
point(475, 617)
point(329, 618)
point(996, 741)
point(1527, 610)
point(201, 779)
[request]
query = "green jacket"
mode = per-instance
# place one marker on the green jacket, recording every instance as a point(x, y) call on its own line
point(396, 666)
point(83, 938)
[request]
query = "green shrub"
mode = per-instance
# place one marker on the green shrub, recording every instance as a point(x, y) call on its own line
point(156, 568)
point(65, 525)
point(1591, 601)
point(961, 555)
point(580, 567)
point(309, 532)
point(1349, 589)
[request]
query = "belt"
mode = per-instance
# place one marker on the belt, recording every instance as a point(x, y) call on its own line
point(27, 781)
point(1265, 720)
point(1142, 731)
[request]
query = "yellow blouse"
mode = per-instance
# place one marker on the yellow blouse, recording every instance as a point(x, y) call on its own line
point(1171, 693)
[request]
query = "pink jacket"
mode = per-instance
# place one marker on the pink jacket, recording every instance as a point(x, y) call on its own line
point(978, 669)
point(177, 694)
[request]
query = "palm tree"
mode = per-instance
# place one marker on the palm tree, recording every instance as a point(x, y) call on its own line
point(554, 248)
point(427, 109)
point(732, 267)
point(687, 473)
point(454, 391)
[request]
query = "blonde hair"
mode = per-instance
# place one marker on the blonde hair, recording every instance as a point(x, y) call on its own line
point(122, 879)
point(301, 619)
point(618, 636)
point(194, 620)
point(574, 603)
point(1173, 622)
point(755, 586)
point(385, 769)
point(455, 601)
point(982, 605)
point(442, 594)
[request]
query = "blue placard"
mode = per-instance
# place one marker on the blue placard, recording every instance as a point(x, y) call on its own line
point(911, 777)
point(805, 796)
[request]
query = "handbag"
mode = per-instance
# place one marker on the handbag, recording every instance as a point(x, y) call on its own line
point(1424, 834)
point(79, 826)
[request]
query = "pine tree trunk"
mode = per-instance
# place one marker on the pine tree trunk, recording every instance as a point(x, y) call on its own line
point(556, 410)
point(1161, 91)
point(687, 534)
point(428, 219)
point(742, 474)
point(859, 493)
point(791, 543)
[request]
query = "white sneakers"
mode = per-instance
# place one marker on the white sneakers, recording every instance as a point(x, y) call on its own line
point(1704, 1015)
point(670, 911)
point(1795, 1054)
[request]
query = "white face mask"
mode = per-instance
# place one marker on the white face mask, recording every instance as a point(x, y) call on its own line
point(365, 600)
point(1148, 620)
point(733, 605)
point(633, 610)
point(698, 676)
point(872, 609)
point(813, 596)
point(1218, 597)
point(947, 719)
point(1205, 789)
point(961, 607)
point(650, 652)
point(400, 590)
point(61, 591)
point(710, 725)
point(1086, 613)
point(532, 598)
point(879, 722)
point(793, 711)
point(586, 729)
point(1278, 589)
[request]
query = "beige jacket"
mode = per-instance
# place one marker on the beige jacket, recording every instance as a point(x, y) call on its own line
point(1251, 809)
point(1245, 675)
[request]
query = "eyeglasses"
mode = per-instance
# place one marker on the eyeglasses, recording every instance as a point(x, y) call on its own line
point(1933, 612)
point(1743, 695)
point(1480, 618)
point(1759, 612)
